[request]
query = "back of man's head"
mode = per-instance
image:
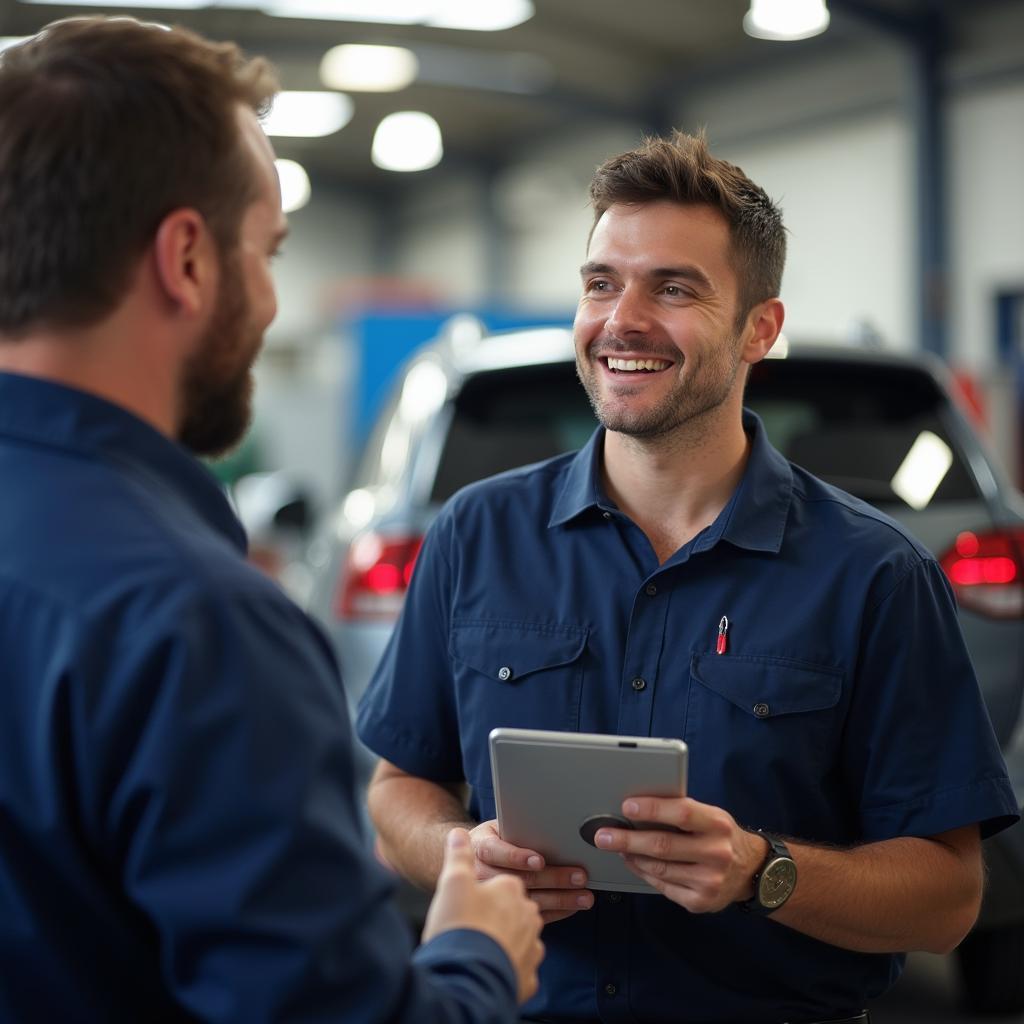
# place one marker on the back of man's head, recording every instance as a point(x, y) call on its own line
point(681, 169)
point(106, 126)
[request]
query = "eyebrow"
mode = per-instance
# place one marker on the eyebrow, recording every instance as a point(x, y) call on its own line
point(685, 273)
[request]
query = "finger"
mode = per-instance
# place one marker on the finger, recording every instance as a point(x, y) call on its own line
point(495, 851)
point(682, 812)
point(649, 842)
point(556, 878)
point(561, 900)
point(690, 888)
point(458, 853)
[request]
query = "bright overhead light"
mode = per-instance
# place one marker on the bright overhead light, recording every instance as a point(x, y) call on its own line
point(471, 15)
point(922, 470)
point(368, 68)
point(295, 190)
point(308, 115)
point(494, 16)
point(407, 141)
point(164, 5)
point(785, 20)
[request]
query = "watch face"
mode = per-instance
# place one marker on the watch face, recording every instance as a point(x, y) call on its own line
point(777, 882)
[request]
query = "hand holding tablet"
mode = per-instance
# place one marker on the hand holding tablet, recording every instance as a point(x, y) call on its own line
point(554, 790)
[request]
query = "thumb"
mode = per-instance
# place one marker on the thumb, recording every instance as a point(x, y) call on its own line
point(458, 852)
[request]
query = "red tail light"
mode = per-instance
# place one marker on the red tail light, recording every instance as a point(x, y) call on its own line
point(376, 576)
point(987, 572)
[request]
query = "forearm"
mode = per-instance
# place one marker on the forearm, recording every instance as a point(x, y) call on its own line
point(895, 896)
point(412, 817)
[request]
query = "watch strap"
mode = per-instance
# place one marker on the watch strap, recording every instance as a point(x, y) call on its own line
point(777, 850)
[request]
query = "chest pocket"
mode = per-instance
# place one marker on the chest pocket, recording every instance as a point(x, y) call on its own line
point(758, 724)
point(514, 674)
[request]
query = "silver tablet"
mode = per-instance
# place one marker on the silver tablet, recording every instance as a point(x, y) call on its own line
point(555, 789)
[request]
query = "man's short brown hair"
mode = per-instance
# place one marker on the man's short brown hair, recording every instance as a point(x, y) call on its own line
point(106, 126)
point(681, 170)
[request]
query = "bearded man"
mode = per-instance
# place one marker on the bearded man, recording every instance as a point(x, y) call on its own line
point(179, 835)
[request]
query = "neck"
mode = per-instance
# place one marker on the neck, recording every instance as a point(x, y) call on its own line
point(110, 360)
point(674, 485)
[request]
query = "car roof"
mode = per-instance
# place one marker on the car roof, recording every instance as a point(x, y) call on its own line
point(470, 353)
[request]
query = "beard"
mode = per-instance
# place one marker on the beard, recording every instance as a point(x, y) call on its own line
point(709, 380)
point(216, 386)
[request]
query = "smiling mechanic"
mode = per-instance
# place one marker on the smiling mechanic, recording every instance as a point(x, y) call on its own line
point(678, 577)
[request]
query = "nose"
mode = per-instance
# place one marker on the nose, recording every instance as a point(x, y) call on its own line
point(630, 315)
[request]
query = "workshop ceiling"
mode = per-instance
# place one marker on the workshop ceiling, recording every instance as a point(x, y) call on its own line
point(494, 92)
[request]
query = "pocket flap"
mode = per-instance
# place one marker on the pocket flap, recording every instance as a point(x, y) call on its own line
point(767, 687)
point(507, 651)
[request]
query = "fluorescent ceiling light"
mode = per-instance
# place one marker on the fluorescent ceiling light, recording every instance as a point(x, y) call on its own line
point(295, 190)
point(308, 115)
point(922, 470)
point(407, 141)
point(785, 19)
point(164, 5)
point(472, 15)
point(492, 16)
point(368, 68)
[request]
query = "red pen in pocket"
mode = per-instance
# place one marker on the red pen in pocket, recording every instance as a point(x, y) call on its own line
point(723, 639)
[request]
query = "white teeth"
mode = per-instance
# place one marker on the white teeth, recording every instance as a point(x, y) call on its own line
point(632, 365)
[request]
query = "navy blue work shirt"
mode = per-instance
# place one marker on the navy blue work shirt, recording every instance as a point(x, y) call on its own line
point(179, 836)
point(844, 709)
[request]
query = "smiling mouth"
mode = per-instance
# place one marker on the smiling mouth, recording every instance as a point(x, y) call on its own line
point(617, 365)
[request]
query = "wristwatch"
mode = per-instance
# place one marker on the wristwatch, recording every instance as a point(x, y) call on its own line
point(775, 880)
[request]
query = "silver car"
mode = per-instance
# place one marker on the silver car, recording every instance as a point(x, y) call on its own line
point(884, 427)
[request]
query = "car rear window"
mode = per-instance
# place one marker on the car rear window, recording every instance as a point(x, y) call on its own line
point(512, 417)
point(854, 425)
point(851, 425)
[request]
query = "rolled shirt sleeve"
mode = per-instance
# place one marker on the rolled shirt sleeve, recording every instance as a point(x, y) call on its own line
point(920, 753)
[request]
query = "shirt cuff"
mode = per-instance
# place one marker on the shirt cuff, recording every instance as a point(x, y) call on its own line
point(990, 803)
point(467, 950)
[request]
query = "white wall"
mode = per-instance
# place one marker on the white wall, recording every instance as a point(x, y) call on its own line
point(331, 242)
point(986, 153)
point(846, 200)
point(441, 240)
point(302, 380)
point(543, 199)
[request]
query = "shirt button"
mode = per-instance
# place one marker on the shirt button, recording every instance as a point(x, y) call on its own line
point(607, 515)
point(504, 673)
point(761, 710)
point(639, 684)
point(615, 897)
point(610, 989)
point(650, 590)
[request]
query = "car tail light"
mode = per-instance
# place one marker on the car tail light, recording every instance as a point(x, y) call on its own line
point(987, 572)
point(376, 576)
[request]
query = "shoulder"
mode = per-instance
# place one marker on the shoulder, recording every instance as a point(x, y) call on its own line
point(527, 491)
point(854, 544)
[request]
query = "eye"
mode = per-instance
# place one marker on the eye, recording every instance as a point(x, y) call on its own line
point(674, 291)
point(598, 285)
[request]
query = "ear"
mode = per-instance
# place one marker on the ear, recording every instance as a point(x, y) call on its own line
point(185, 259)
point(764, 325)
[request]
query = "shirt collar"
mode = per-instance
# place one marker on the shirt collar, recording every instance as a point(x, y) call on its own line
point(46, 413)
point(753, 518)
